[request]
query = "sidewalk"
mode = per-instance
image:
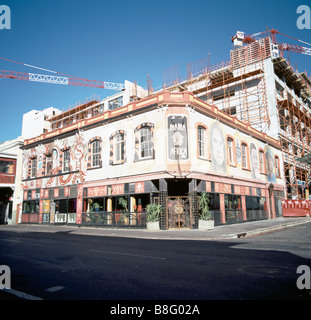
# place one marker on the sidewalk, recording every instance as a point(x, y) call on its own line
point(233, 231)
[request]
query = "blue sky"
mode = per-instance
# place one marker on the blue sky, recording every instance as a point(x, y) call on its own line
point(124, 40)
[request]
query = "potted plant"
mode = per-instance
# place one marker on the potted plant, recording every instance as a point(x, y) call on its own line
point(97, 206)
point(123, 203)
point(153, 215)
point(206, 221)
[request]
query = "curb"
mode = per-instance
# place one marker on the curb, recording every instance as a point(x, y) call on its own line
point(269, 229)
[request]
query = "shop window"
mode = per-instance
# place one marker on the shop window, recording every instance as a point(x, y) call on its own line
point(233, 208)
point(31, 206)
point(256, 208)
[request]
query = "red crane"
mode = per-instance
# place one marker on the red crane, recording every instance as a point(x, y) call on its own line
point(58, 78)
point(241, 38)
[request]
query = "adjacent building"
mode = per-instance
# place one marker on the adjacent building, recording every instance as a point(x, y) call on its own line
point(10, 180)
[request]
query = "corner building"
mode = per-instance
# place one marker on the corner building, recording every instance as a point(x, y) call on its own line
point(104, 169)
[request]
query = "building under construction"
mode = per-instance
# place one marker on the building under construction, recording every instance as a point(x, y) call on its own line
point(259, 86)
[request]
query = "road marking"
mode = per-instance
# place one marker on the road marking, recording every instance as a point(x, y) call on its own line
point(129, 254)
point(54, 289)
point(22, 295)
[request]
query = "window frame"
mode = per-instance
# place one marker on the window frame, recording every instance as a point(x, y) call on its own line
point(48, 160)
point(277, 166)
point(66, 152)
point(118, 148)
point(246, 156)
point(95, 156)
point(202, 142)
point(34, 167)
point(231, 151)
point(262, 164)
point(148, 142)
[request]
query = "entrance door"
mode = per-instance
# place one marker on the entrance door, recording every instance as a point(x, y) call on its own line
point(178, 213)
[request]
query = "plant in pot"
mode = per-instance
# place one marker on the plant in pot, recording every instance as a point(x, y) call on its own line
point(206, 221)
point(153, 215)
point(123, 203)
point(97, 206)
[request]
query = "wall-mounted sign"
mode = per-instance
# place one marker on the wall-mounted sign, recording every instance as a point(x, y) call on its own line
point(177, 137)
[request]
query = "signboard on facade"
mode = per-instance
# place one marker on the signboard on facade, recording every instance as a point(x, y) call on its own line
point(177, 137)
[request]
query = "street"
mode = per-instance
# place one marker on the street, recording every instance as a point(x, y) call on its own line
point(64, 266)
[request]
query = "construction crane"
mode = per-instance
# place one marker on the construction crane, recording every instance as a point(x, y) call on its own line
point(57, 79)
point(241, 38)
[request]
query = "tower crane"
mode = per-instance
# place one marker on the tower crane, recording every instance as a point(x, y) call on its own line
point(241, 38)
point(58, 78)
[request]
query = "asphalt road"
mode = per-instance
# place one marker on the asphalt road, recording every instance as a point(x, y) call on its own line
point(63, 266)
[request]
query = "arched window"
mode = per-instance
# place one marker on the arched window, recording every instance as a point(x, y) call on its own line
point(66, 160)
point(144, 143)
point(33, 167)
point(277, 166)
point(94, 153)
point(230, 151)
point(202, 145)
point(261, 161)
point(245, 160)
point(117, 147)
point(95, 150)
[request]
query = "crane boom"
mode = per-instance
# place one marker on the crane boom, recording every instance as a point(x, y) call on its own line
point(55, 79)
point(295, 48)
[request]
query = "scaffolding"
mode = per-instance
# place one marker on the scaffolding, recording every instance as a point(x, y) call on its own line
point(294, 111)
point(239, 87)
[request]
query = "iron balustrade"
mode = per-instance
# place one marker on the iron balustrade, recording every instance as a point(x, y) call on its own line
point(114, 219)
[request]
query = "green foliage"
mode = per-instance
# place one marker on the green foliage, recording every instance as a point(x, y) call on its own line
point(123, 203)
point(153, 212)
point(204, 201)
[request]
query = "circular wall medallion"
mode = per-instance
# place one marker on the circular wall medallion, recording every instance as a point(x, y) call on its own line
point(179, 208)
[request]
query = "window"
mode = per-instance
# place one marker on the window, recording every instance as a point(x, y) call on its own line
point(49, 165)
point(261, 161)
point(202, 142)
point(145, 142)
point(230, 150)
point(95, 150)
point(277, 166)
point(6, 166)
point(33, 167)
point(244, 156)
point(115, 103)
point(118, 149)
point(66, 161)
